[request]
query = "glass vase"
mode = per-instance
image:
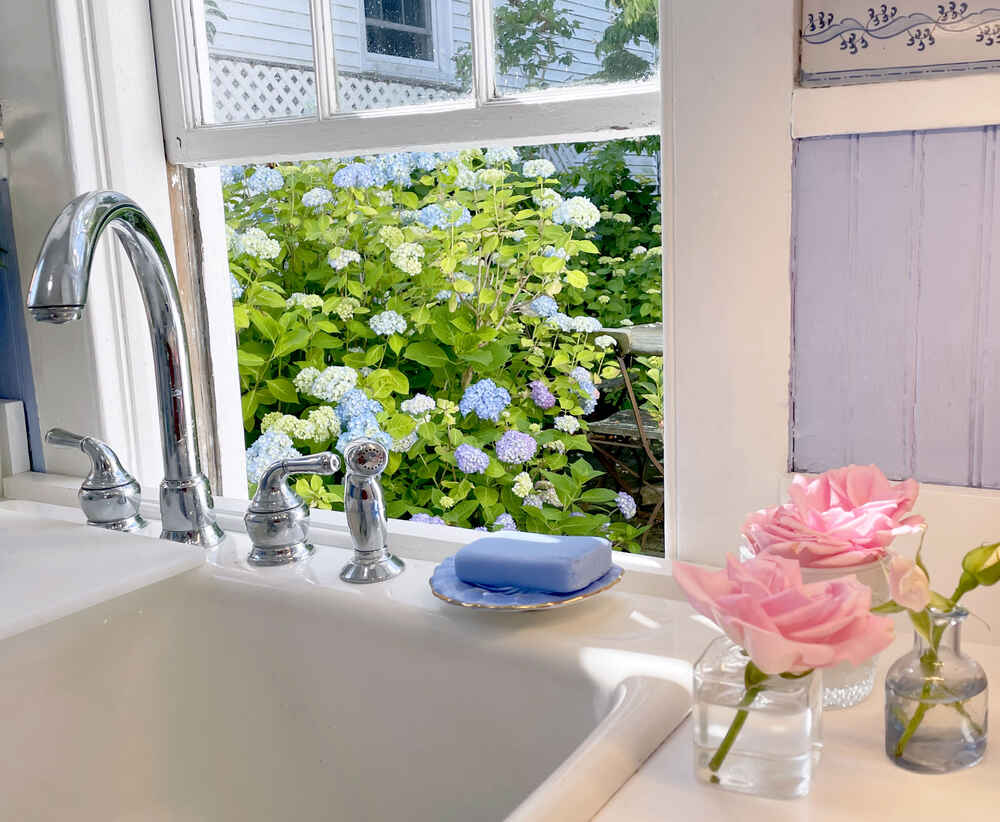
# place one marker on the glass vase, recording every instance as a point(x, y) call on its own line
point(846, 685)
point(761, 738)
point(936, 700)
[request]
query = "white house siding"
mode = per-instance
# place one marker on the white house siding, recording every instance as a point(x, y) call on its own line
point(279, 31)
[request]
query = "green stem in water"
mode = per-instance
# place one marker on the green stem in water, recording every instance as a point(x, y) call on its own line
point(915, 720)
point(734, 729)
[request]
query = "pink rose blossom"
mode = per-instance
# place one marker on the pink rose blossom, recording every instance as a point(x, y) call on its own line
point(783, 624)
point(846, 516)
point(908, 584)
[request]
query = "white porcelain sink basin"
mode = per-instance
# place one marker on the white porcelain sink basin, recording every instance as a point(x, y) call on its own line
point(230, 693)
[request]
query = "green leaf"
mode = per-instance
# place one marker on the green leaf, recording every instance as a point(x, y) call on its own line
point(241, 316)
point(889, 607)
point(292, 341)
point(249, 359)
point(265, 324)
point(249, 404)
point(426, 353)
point(396, 343)
point(283, 389)
point(597, 495)
point(577, 278)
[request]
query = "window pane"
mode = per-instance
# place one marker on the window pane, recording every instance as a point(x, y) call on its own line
point(394, 53)
point(260, 58)
point(544, 43)
point(457, 307)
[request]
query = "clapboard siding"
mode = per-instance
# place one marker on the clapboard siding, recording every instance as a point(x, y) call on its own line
point(896, 297)
point(279, 30)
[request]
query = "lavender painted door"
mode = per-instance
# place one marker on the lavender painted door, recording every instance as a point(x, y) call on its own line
point(896, 304)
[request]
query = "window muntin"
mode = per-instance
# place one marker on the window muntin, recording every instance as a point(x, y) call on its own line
point(399, 28)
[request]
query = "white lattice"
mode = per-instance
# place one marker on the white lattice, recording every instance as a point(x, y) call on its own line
point(253, 90)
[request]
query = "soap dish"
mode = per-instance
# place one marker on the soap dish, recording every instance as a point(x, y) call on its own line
point(446, 585)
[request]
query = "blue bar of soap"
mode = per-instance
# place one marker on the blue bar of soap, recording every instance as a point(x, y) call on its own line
point(534, 562)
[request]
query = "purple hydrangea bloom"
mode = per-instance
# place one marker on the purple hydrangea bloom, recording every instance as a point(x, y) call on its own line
point(505, 522)
point(516, 447)
point(427, 519)
point(471, 460)
point(626, 504)
point(541, 395)
point(486, 399)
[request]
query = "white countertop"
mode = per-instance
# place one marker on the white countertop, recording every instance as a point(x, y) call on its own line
point(83, 566)
point(854, 782)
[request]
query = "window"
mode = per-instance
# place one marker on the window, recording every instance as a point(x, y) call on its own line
point(399, 28)
point(436, 272)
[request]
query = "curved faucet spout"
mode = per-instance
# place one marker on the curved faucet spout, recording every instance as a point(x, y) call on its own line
point(58, 294)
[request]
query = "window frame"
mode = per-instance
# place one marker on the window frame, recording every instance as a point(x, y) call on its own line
point(388, 65)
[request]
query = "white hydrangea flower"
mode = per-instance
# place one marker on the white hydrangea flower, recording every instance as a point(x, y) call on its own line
point(657, 228)
point(325, 422)
point(310, 301)
point(497, 156)
point(406, 257)
point(617, 195)
point(490, 177)
point(404, 444)
point(546, 198)
point(446, 502)
point(234, 242)
point(419, 406)
point(522, 485)
point(576, 211)
point(622, 218)
point(583, 324)
point(538, 168)
point(387, 323)
point(567, 423)
point(391, 236)
point(339, 258)
point(639, 250)
point(466, 178)
point(627, 322)
point(604, 341)
point(547, 493)
point(556, 445)
point(603, 299)
point(384, 197)
point(304, 380)
point(332, 383)
point(345, 307)
point(518, 235)
point(257, 244)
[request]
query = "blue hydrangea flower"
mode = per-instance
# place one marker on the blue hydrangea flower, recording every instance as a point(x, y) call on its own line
point(589, 392)
point(355, 403)
point(487, 399)
point(552, 251)
point(355, 175)
point(269, 447)
point(387, 323)
point(236, 287)
point(516, 447)
point(363, 426)
point(426, 519)
point(626, 504)
point(391, 168)
point(543, 306)
point(505, 522)
point(231, 174)
point(316, 197)
point(471, 460)
point(264, 179)
point(541, 395)
point(443, 215)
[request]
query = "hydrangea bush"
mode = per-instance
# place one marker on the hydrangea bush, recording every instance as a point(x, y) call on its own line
point(437, 303)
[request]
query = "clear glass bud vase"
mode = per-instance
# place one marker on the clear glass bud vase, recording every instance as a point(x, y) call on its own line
point(758, 736)
point(936, 700)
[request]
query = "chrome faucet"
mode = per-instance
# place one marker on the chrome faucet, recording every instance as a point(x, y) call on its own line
point(364, 505)
point(58, 294)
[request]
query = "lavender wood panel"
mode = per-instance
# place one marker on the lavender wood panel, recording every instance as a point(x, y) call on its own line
point(822, 220)
point(988, 421)
point(951, 247)
point(896, 239)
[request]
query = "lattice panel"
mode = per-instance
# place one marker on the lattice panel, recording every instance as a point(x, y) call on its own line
point(252, 90)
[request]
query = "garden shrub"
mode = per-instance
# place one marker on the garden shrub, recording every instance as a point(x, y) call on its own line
point(415, 299)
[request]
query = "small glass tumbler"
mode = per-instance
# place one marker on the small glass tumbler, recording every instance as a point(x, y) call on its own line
point(765, 740)
point(936, 701)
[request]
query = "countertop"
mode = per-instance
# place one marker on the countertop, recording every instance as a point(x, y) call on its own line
point(855, 782)
point(50, 568)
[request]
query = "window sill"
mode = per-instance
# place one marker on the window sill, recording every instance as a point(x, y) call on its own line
point(646, 575)
point(907, 105)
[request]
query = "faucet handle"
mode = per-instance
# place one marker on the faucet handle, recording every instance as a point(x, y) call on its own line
point(277, 520)
point(109, 496)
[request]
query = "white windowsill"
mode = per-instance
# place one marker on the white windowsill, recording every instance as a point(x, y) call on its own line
point(646, 575)
point(906, 105)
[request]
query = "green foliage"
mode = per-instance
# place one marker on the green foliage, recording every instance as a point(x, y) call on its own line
point(531, 37)
point(465, 298)
point(633, 22)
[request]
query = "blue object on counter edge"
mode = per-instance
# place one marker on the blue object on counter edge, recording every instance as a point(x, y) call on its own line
point(523, 562)
point(445, 584)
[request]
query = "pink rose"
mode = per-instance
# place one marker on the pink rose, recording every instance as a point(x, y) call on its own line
point(784, 625)
point(846, 516)
point(908, 584)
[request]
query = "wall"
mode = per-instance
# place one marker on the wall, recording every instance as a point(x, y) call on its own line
point(15, 364)
point(896, 268)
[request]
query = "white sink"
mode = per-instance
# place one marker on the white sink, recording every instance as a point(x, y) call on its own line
point(231, 693)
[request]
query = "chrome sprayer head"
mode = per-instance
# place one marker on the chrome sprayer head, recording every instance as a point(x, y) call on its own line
point(366, 457)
